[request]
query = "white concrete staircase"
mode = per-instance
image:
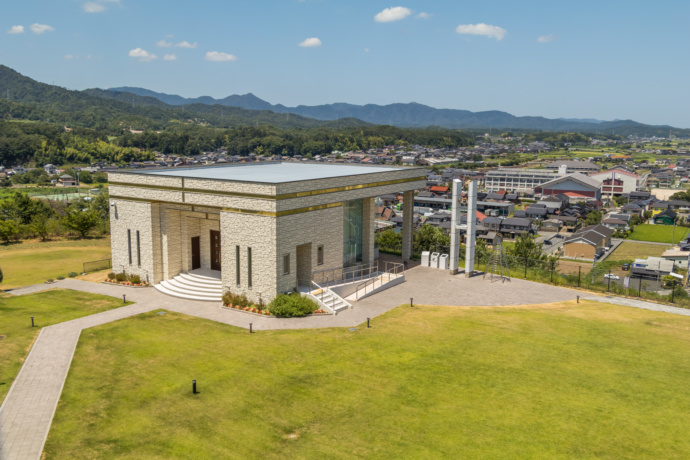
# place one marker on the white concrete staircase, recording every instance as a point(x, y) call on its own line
point(193, 286)
point(330, 300)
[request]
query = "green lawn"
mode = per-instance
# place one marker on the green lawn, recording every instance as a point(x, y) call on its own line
point(561, 381)
point(31, 263)
point(658, 233)
point(48, 307)
point(630, 251)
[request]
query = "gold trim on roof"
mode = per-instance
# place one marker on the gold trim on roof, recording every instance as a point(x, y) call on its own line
point(285, 196)
point(242, 211)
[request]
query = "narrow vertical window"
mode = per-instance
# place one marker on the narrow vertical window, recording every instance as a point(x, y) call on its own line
point(237, 264)
point(249, 268)
point(138, 251)
point(286, 264)
point(319, 255)
point(129, 245)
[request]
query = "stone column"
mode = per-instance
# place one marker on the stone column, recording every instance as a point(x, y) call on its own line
point(407, 228)
point(368, 230)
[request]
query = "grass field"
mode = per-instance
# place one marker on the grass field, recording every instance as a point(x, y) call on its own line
point(554, 381)
point(630, 251)
point(658, 233)
point(49, 307)
point(35, 262)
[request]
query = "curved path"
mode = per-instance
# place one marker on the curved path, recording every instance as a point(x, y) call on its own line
point(28, 408)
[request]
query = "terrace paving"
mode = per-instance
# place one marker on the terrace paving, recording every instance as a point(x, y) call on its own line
point(28, 409)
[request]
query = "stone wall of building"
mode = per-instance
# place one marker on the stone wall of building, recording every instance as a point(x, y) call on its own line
point(242, 231)
point(322, 227)
point(133, 216)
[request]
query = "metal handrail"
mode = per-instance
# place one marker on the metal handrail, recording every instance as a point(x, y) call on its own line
point(336, 274)
point(388, 271)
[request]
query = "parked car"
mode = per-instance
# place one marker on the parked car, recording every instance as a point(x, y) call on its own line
point(548, 242)
point(626, 267)
point(558, 235)
point(612, 276)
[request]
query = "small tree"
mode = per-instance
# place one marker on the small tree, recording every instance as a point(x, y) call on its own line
point(429, 238)
point(80, 221)
point(40, 226)
point(389, 239)
point(8, 229)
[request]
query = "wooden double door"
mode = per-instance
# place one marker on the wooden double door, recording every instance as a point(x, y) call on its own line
point(215, 251)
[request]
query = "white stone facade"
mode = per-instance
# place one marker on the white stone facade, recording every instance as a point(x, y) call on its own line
point(262, 221)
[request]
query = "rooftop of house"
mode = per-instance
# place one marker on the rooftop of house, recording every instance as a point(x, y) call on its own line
point(272, 173)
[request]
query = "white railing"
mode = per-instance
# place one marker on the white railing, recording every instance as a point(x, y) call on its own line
point(345, 275)
point(320, 295)
point(395, 270)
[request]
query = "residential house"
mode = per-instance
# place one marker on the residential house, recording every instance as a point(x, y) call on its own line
point(666, 217)
point(588, 242)
point(66, 181)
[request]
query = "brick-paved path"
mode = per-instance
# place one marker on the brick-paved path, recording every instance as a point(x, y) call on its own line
point(28, 409)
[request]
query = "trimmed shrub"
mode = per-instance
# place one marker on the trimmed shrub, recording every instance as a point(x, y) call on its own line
point(120, 277)
point(60, 278)
point(72, 274)
point(111, 275)
point(289, 305)
point(135, 279)
point(235, 299)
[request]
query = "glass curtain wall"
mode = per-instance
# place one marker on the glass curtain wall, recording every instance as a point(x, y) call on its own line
point(352, 232)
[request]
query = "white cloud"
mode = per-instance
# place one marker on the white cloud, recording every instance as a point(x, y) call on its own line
point(93, 7)
point(186, 44)
point(40, 28)
point(482, 29)
point(310, 42)
point(217, 56)
point(423, 15)
point(547, 38)
point(164, 44)
point(366, 50)
point(170, 57)
point(143, 55)
point(394, 13)
point(71, 56)
point(16, 30)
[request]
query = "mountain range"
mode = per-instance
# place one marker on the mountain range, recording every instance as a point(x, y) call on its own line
point(403, 114)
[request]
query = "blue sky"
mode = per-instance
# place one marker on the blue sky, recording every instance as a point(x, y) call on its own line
point(601, 59)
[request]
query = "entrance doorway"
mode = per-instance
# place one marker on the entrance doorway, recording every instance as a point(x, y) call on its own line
point(304, 265)
point(215, 250)
point(196, 252)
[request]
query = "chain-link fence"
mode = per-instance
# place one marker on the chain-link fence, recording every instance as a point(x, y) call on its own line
point(97, 265)
point(583, 275)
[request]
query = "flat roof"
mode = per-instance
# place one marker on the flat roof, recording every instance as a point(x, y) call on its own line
point(272, 173)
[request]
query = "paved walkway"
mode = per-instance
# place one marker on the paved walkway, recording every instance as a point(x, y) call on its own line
point(28, 409)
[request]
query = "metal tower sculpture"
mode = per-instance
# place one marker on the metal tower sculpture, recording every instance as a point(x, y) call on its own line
point(497, 266)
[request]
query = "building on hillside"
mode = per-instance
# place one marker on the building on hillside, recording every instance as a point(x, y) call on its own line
point(577, 183)
point(261, 228)
point(517, 180)
point(588, 242)
point(66, 181)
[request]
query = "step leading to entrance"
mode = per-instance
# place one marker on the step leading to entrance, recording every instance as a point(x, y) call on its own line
point(193, 286)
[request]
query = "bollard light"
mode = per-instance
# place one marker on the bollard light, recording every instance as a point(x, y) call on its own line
point(250, 328)
point(368, 322)
point(194, 387)
point(32, 322)
point(410, 302)
point(578, 299)
point(123, 299)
